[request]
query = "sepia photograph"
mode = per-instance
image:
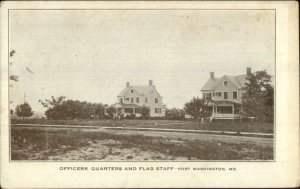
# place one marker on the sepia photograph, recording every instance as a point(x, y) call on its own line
point(142, 85)
point(149, 94)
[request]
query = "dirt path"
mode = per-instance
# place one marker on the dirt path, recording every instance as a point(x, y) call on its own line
point(100, 150)
point(268, 142)
point(192, 136)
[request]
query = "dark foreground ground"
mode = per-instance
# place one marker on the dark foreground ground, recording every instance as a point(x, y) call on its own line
point(99, 145)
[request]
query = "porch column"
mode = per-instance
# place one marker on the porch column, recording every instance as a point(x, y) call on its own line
point(133, 111)
point(216, 110)
point(233, 111)
point(213, 111)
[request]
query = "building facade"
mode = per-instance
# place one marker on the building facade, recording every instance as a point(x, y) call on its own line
point(224, 95)
point(131, 98)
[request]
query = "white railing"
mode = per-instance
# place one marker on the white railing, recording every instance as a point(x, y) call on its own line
point(218, 115)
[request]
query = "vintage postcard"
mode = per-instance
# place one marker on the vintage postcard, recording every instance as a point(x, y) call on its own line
point(149, 94)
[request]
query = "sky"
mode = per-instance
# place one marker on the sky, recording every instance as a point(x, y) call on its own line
point(89, 55)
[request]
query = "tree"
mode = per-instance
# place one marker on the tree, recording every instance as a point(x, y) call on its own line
point(144, 111)
point(197, 108)
point(24, 110)
point(111, 111)
point(59, 108)
point(52, 102)
point(258, 98)
point(100, 111)
point(54, 110)
point(12, 77)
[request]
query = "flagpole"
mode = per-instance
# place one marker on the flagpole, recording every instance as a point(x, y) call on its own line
point(25, 86)
point(30, 71)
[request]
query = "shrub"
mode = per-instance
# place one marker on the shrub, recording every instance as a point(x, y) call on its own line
point(144, 111)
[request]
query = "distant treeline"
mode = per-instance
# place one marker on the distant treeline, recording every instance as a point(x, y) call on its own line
point(59, 108)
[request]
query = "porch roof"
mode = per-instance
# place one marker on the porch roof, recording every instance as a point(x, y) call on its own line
point(222, 102)
point(123, 105)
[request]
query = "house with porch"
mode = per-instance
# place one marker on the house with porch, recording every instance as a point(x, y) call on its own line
point(131, 98)
point(224, 95)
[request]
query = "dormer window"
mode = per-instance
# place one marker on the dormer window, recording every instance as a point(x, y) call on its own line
point(225, 83)
point(131, 90)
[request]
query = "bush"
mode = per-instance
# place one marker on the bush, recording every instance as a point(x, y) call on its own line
point(130, 116)
point(144, 111)
point(175, 114)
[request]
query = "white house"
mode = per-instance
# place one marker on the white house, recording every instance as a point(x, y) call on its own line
point(133, 97)
point(225, 95)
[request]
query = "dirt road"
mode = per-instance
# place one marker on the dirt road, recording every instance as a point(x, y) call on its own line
point(193, 136)
point(266, 142)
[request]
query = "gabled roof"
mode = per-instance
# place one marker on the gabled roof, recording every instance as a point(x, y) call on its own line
point(212, 83)
point(119, 105)
point(140, 91)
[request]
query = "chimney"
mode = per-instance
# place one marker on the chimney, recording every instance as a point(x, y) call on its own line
point(127, 84)
point(212, 75)
point(150, 82)
point(248, 71)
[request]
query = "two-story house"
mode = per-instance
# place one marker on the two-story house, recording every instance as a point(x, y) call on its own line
point(224, 95)
point(131, 98)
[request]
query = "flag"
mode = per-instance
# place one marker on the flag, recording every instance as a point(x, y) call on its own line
point(11, 53)
point(14, 78)
point(29, 70)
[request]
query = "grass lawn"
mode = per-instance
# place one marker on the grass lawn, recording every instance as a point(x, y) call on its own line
point(226, 125)
point(37, 144)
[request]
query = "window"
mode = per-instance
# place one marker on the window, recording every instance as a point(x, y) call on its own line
point(156, 100)
point(218, 94)
point(131, 91)
point(127, 99)
point(121, 100)
point(137, 100)
point(146, 100)
point(225, 83)
point(157, 110)
point(207, 95)
point(131, 100)
point(235, 95)
point(225, 95)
